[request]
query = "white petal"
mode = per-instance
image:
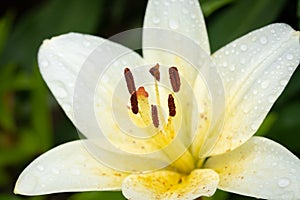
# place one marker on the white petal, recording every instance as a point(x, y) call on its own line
point(259, 168)
point(255, 70)
point(67, 168)
point(61, 59)
point(170, 185)
point(180, 16)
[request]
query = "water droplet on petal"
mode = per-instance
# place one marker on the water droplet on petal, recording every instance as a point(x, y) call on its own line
point(44, 63)
point(246, 110)
point(289, 56)
point(86, 43)
point(263, 40)
point(40, 168)
point(185, 11)
point(283, 82)
point(59, 91)
point(67, 107)
point(173, 24)
point(193, 16)
point(265, 84)
point(55, 171)
point(243, 61)
point(243, 47)
point(232, 68)
point(155, 20)
point(271, 99)
point(283, 182)
point(253, 127)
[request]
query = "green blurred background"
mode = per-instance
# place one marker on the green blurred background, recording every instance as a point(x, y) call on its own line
point(31, 122)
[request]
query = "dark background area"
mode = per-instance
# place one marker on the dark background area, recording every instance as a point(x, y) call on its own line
point(31, 122)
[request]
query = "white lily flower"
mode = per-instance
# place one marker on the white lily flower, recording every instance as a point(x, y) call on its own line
point(254, 70)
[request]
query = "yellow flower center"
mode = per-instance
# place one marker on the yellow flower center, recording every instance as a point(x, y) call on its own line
point(144, 114)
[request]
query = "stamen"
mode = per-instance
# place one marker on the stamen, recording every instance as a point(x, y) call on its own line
point(142, 92)
point(155, 72)
point(171, 105)
point(129, 80)
point(134, 103)
point(174, 78)
point(154, 116)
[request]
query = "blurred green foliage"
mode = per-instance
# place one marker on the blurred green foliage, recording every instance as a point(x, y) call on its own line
point(31, 121)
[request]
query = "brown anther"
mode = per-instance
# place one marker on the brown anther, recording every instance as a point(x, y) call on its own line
point(155, 72)
point(142, 92)
point(129, 80)
point(134, 103)
point(174, 78)
point(154, 116)
point(171, 105)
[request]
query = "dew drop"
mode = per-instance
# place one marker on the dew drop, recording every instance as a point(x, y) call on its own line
point(166, 3)
point(254, 92)
point(253, 127)
point(263, 40)
point(265, 84)
point(55, 171)
point(59, 91)
point(67, 107)
point(173, 24)
point(246, 110)
point(44, 63)
point(185, 11)
point(283, 82)
point(193, 16)
point(155, 20)
point(271, 99)
point(243, 61)
point(40, 168)
point(243, 47)
point(283, 182)
point(232, 68)
point(289, 56)
point(86, 43)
